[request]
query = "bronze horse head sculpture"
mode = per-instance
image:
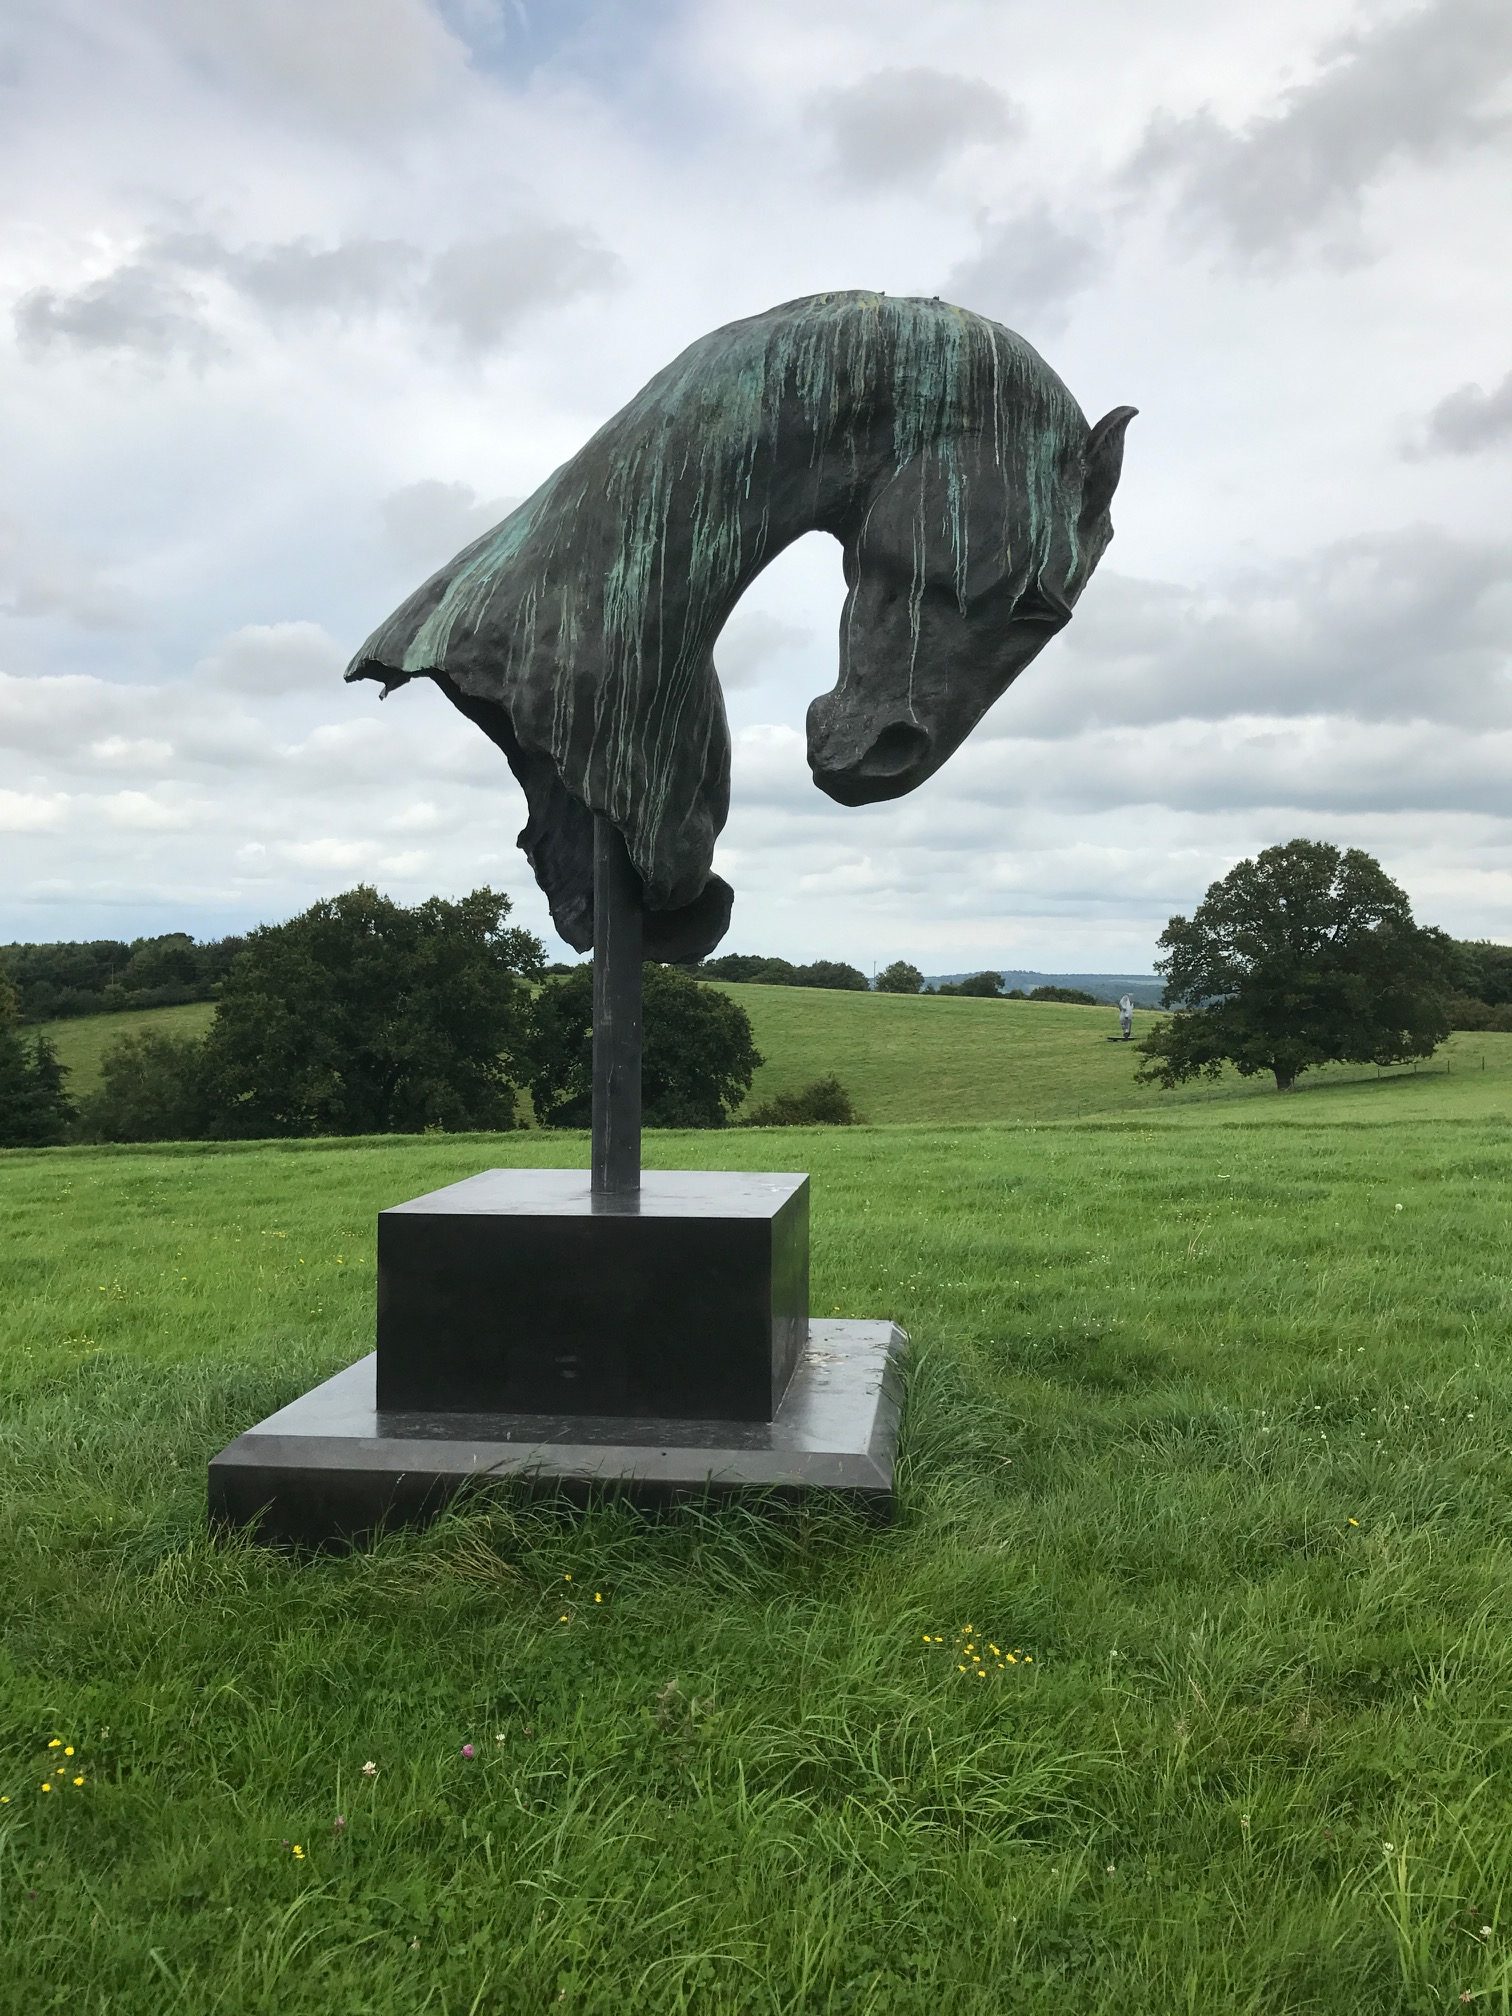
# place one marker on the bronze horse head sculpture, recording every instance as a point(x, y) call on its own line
point(963, 481)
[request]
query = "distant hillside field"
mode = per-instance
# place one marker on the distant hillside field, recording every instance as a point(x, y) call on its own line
point(914, 1059)
point(1147, 989)
point(82, 1040)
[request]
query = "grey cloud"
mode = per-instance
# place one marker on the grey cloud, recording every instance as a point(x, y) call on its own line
point(41, 577)
point(1468, 421)
point(1322, 765)
point(1025, 270)
point(477, 291)
point(425, 523)
point(902, 125)
point(1392, 626)
point(481, 289)
point(1415, 88)
point(266, 659)
point(364, 66)
point(748, 643)
point(138, 309)
point(354, 277)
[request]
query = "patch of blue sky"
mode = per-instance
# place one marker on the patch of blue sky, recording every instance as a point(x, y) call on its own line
point(595, 40)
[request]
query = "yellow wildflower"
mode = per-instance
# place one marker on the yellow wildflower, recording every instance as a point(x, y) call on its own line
point(56, 1743)
point(298, 1853)
point(78, 1781)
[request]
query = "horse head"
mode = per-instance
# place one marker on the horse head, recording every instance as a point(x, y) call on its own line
point(959, 570)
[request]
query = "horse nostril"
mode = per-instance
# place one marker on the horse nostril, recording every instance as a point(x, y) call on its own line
point(900, 746)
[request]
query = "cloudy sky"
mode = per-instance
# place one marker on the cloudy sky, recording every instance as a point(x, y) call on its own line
point(297, 296)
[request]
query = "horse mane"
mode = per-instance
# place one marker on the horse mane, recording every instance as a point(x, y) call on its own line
point(579, 632)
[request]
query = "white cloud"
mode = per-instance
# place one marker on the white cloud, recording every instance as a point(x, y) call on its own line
point(32, 811)
point(265, 659)
point(144, 812)
point(128, 752)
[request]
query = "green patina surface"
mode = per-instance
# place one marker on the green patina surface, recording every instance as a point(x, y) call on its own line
point(589, 614)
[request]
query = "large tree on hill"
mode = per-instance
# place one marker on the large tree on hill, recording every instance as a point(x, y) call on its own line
point(363, 1016)
point(697, 1061)
point(1303, 956)
point(901, 977)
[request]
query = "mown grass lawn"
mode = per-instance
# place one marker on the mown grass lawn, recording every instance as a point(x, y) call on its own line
point(1207, 1427)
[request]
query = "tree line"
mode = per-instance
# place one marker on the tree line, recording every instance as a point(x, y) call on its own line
point(365, 1016)
point(101, 975)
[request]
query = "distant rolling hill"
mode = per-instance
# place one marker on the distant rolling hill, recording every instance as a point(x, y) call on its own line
point(916, 1059)
point(1144, 988)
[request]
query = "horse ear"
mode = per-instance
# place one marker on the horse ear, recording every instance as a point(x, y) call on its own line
point(1104, 461)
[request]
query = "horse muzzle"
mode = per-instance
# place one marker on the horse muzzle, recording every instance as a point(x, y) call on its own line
point(897, 756)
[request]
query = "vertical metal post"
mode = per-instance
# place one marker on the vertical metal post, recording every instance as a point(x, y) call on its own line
point(616, 1015)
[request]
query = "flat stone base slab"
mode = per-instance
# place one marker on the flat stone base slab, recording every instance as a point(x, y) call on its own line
point(329, 1469)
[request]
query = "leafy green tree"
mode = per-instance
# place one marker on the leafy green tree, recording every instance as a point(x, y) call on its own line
point(35, 1109)
point(899, 978)
point(736, 966)
point(1073, 996)
point(1482, 970)
point(152, 1088)
point(833, 973)
point(976, 986)
point(698, 1056)
point(364, 1016)
point(776, 973)
point(1303, 956)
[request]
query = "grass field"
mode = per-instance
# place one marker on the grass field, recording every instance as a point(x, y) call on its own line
point(1206, 1425)
point(82, 1040)
point(910, 1058)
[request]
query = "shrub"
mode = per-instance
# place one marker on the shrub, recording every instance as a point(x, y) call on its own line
point(822, 1103)
point(152, 1088)
point(698, 1056)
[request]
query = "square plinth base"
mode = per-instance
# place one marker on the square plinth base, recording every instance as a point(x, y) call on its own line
point(330, 1469)
point(521, 1291)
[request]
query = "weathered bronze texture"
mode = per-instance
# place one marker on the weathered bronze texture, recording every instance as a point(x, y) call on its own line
point(958, 473)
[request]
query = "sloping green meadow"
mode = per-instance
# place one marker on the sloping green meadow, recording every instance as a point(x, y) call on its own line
point(907, 1059)
point(1181, 1683)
